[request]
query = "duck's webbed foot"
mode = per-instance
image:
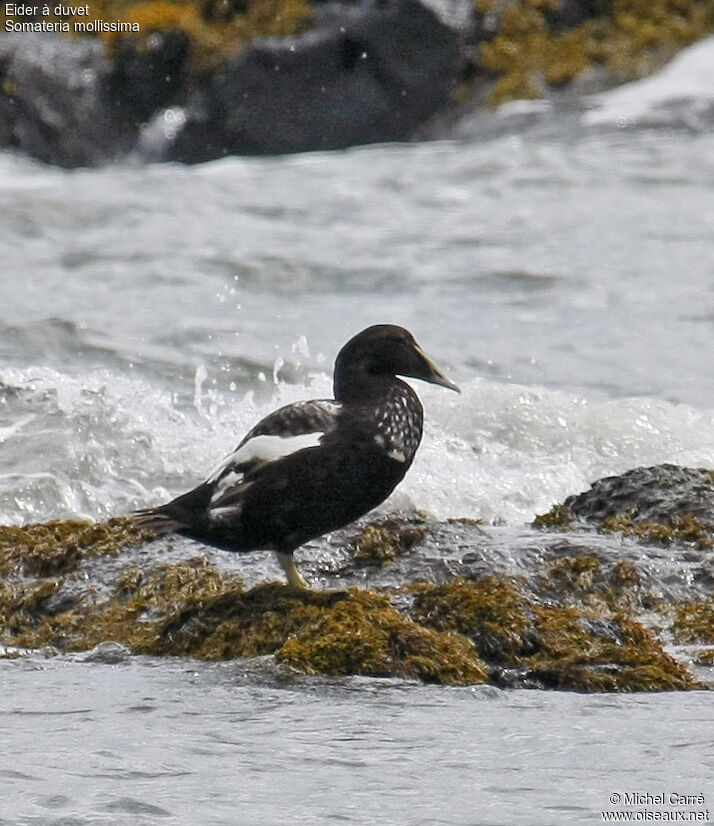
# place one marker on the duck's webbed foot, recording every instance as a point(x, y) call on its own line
point(287, 563)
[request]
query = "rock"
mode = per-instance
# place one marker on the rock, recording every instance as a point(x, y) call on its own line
point(108, 653)
point(52, 102)
point(366, 73)
point(653, 494)
point(571, 13)
point(148, 76)
point(518, 607)
point(662, 505)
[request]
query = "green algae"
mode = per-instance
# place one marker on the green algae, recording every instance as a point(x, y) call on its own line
point(677, 528)
point(382, 544)
point(694, 622)
point(527, 57)
point(559, 516)
point(51, 548)
point(565, 647)
point(491, 612)
point(366, 635)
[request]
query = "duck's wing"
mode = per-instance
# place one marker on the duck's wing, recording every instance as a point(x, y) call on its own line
point(286, 431)
point(218, 499)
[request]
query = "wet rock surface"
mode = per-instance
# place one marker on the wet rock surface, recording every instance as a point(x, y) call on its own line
point(447, 602)
point(363, 74)
point(53, 105)
point(144, 80)
point(657, 505)
point(653, 494)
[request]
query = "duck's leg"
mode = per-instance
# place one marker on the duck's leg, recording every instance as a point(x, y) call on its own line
point(287, 563)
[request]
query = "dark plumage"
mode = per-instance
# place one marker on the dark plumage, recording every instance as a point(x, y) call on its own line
point(314, 466)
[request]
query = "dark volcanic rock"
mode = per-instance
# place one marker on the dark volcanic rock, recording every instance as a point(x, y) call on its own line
point(52, 104)
point(653, 494)
point(148, 76)
point(367, 73)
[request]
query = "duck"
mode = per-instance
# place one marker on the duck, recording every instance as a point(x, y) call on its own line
point(314, 466)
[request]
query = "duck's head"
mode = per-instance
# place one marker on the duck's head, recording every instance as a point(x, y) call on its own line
point(384, 350)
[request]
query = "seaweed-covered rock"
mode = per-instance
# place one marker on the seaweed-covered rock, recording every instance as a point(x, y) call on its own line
point(577, 650)
point(365, 73)
point(52, 548)
point(192, 609)
point(661, 504)
point(565, 614)
point(205, 78)
point(383, 543)
point(494, 16)
point(366, 635)
point(566, 14)
point(490, 611)
point(531, 46)
point(653, 494)
point(694, 622)
point(551, 646)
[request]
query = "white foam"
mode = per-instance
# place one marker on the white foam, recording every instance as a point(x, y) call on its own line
point(102, 444)
point(689, 77)
point(504, 452)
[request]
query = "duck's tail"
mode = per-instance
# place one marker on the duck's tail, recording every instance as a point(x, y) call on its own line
point(184, 514)
point(157, 520)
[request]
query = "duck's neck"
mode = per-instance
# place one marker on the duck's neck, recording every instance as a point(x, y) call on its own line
point(357, 386)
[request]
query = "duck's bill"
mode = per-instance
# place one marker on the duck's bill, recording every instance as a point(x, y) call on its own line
point(434, 375)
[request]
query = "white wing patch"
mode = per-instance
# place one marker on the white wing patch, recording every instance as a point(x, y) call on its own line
point(270, 448)
point(262, 449)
